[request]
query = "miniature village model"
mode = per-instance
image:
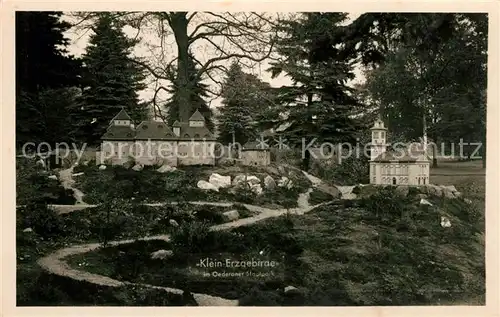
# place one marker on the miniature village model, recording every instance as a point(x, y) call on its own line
point(409, 167)
point(186, 143)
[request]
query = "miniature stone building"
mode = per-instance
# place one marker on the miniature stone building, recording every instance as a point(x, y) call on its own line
point(402, 167)
point(256, 154)
point(153, 142)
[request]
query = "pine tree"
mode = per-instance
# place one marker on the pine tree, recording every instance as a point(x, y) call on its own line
point(197, 95)
point(111, 80)
point(236, 111)
point(319, 102)
point(43, 67)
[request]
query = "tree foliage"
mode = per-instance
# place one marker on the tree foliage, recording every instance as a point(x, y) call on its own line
point(111, 80)
point(43, 72)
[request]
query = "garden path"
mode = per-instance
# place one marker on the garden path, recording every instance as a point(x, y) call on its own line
point(55, 263)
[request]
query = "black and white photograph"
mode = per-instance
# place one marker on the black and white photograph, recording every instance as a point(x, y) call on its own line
point(251, 158)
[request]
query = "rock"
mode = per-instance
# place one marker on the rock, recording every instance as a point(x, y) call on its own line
point(256, 189)
point(137, 167)
point(403, 190)
point(53, 177)
point(78, 174)
point(173, 223)
point(166, 169)
point(251, 179)
point(206, 185)
point(313, 179)
point(269, 182)
point(468, 201)
point(231, 215)
point(220, 181)
point(85, 163)
point(28, 230)
point(449, 187)
point(448, 193)
point(102, 167)
point(238, 179)
point(457, 194)
point(161, 254)
point(434, 190)
point(333, 191)
point(285, 182)
point(291, 290)
point(347, 192)
point(425, 202)
point(445, 222)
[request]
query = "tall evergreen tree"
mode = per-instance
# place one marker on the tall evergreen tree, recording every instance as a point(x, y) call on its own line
point(43, 68)
point(196, 96)
point(236, 111)
point(111, 80)
point(319, 102)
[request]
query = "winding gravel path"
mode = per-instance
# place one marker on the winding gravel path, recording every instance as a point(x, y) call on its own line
point(55, 262)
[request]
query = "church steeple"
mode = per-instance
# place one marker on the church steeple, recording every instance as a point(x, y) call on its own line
point(379, 137)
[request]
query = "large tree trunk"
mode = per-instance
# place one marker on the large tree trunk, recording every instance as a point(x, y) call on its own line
point(179, 25)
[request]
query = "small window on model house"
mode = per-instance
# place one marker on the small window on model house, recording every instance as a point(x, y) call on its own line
point(382, 134)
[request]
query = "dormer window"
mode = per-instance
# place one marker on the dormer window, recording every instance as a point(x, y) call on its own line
point(186, 135)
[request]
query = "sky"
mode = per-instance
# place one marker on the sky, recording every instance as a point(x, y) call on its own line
point(149, 47)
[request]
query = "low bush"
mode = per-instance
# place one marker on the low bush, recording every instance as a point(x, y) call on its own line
point(34, 186)
point(351, 171)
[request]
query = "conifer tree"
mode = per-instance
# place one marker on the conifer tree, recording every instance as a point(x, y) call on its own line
point(111, 80)
point(43, 68)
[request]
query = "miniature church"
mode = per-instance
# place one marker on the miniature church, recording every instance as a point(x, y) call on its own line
point(407, 167)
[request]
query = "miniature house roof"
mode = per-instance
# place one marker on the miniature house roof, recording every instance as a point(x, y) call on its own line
point(153, 130)
point(122, 115)
point(197, 116)
point(379, 125)
point(115, 132)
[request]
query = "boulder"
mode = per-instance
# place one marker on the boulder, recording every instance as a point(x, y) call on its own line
point(238, 179)
point(285, 182)
point(53, 177)
point(445, 222)
point(251, 179)
point(166, 169)
point(457, 194)
point(161, 254)
point(85, 163)
point(220, 181)
point(347, 192)
point(449, 187)
point(173, 223)
point(448, 193)
point(403, 190)
point(137, 167)
point(425, 202)
point(269, 182)
point(256, 189)
point(206, 186)
point(28, 230)
point(78, 174)
point(231, 215)
point(102, 167)
point(291, 290)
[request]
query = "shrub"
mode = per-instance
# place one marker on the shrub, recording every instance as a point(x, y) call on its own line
point(351, 171)
point(42, 219)
point(191, 237)
point(386, 204)
point(317, 196)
